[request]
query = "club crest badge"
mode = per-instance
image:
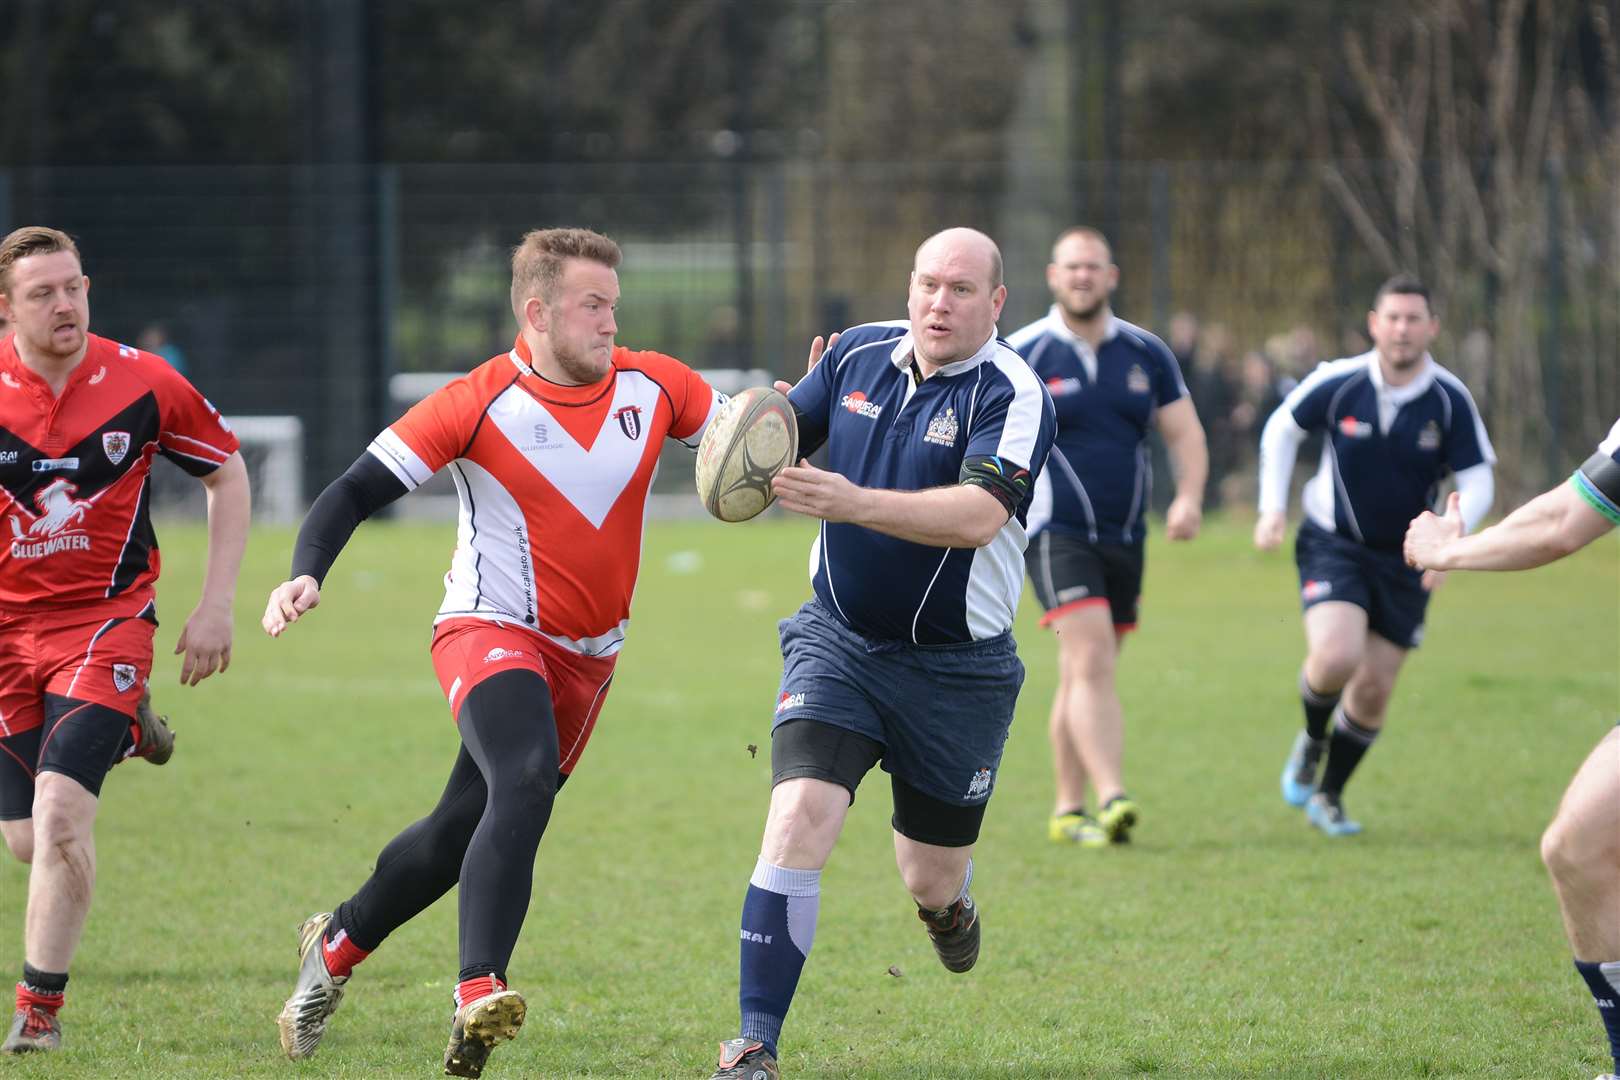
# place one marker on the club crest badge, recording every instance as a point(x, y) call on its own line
point(629, 419)
point(116, 444)
point(124, 676)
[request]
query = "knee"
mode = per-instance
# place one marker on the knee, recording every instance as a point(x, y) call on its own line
point(804, 821)
point(1090, 664)
point(64, 813)
point(1572, 851)
point(1330, 664)
point(1368, 698)
point(532, 786)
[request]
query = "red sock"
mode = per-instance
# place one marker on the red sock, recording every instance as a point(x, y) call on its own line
point(29, 998)
point(341, 954)
point(470, 990)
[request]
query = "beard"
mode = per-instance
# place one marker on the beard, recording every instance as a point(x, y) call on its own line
point(1084, 314)
point(575, 363)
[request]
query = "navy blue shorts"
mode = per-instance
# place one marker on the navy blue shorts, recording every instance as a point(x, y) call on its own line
point(1332, 567)
point(941, 712)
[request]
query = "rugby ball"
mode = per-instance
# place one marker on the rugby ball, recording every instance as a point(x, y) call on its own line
point(753, 438)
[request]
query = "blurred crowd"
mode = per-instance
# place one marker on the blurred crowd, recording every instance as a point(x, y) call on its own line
point(1236, 389)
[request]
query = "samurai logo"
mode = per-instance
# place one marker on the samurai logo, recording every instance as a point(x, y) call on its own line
point(629, 419)
point(116, 443)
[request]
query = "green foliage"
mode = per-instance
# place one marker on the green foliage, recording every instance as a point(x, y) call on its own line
point(1229, 941)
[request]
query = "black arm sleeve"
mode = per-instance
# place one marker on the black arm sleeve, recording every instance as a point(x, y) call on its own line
point(1603, 473)
point(364, 489)
point(1003, 479)
point(806, 447)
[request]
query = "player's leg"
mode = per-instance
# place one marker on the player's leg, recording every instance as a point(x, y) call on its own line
point(509, 728)
point(19, 757)
point(945, 731)
point(1335, 598)
point(1067, 576)
point(80, 742)
point(1088, 653)
point(825, 738)
point(1582, 851)
point(414, 869)
point(815, 769)
point(1335, 642)
point(933, 848)
point(1356, 724)
point(1117, 813)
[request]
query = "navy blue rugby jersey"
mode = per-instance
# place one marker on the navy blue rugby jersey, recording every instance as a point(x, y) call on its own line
point(882, 430)
point(1386, 447)
point(1099, 482)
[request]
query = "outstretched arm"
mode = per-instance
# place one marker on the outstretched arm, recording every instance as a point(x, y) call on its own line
point(365, 488)
point(1543, 530)
point(206, 637)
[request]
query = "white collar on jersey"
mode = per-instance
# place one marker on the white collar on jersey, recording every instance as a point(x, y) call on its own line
point(1082, 348)
point(1400, 395)
point(900, 355)
point(1060, 329)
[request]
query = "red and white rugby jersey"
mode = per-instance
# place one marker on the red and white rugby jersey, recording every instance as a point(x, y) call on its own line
point(74, 526)
point(553, 483)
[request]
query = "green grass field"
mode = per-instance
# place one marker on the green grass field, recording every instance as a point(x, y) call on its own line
point(1229, 941)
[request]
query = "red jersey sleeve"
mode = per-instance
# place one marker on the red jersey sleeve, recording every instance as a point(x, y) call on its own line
point(191, 433)
point(436, 430)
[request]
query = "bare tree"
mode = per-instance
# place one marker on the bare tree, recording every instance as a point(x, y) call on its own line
point(1451, 148)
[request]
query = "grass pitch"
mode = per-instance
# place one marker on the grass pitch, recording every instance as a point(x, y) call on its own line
point(1229, 941)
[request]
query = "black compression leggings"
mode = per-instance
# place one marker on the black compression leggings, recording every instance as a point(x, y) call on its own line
point(484, 832)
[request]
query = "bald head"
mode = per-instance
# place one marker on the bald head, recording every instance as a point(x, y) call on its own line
point(956, 296)
point(964, 244)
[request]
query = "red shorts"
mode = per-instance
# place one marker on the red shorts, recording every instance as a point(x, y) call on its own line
point(468, 651)
point(84, 655)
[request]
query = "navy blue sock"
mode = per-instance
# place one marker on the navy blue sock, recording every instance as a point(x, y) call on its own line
point(1318, 708)
point(1347, 745)
point(1603, 979)
point(778, 926)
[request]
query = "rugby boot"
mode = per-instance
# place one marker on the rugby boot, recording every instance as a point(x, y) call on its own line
point(1326, 812)
point(157, 738)
point(479, 1027)
point(1299, 772)
point(316, 996)
point(745, 1059)
point(33, 1029)
point(954, 931)
point(1081, 829)
point(1117, 818)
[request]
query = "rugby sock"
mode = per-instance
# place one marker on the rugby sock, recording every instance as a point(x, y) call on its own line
point(1349, 743)
point(340, 952)
point(1318, 708)
point(1603, 979)
point(778, 926)
point(41, 989)
point(470, 990)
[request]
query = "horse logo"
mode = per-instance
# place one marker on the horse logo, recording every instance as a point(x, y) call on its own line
point(57, 509)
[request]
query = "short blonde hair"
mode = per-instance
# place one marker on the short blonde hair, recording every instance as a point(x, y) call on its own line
point(31, 240)
point(537, 263)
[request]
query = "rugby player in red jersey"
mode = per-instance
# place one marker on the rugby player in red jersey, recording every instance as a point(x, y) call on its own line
point(553, 446)
point(81, 418)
